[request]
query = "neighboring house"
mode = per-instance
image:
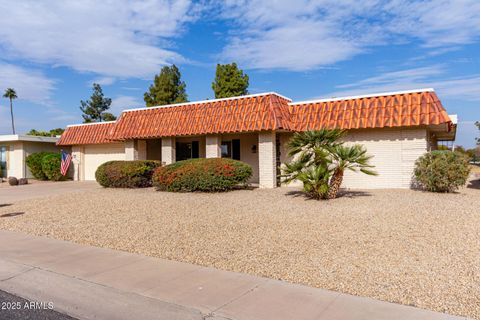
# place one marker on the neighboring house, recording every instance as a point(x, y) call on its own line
point(15, 148)
point(396, 129)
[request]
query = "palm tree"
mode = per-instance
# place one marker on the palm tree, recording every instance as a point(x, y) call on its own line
point(352, 158)
point(11, 94)
point(320, 159)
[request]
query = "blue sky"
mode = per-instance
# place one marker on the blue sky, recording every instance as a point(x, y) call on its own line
point(51, 52)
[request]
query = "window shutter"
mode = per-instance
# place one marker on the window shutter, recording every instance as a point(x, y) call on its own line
point(236, 149)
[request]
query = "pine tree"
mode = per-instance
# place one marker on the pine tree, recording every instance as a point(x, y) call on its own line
point(94, 110)
point(230, 81)
point(167, 88)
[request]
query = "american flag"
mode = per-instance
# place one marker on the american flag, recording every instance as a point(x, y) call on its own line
point(66, 159)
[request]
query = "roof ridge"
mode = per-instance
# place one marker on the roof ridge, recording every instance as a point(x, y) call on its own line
point(90, 123)
point(209, 101)
point(371, 95)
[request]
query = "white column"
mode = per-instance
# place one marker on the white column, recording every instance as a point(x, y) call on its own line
point(130, 150)
point(136, 150)
point(17, 161)
point(168, 150)
point(78, 163)
point(267, 159)
point(212, 147)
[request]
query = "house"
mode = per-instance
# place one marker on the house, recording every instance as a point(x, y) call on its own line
point(395, 127)
point(15, 148)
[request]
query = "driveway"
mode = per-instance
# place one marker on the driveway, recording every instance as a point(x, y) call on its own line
point(40, 189)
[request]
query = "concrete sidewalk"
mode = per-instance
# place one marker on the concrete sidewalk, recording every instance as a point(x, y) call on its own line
point(95, 283)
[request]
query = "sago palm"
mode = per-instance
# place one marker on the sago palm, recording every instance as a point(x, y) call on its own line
point(11, 94)
point(306, 142)
point(352, 158)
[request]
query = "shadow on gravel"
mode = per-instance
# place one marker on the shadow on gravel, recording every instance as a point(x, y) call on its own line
point(353, 194)
point(13, 214)
point(5, 204)
point(474, 184)
point(341, 194)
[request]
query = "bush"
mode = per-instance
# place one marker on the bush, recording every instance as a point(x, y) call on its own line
point(34, 163)
point(51, 166)
point(210, 175)
point(126, 174)
point(441, 171)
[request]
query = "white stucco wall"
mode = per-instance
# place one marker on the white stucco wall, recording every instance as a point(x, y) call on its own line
point(97, 154)
point(395, 152)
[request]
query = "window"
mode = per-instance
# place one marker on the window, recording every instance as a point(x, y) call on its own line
point(226, 149)
point(231, 149)
point(186, 150)
point(3, 160)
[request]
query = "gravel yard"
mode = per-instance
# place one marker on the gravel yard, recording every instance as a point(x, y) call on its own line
point(403, 246)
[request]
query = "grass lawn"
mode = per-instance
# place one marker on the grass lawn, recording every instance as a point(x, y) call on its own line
point(403, 246)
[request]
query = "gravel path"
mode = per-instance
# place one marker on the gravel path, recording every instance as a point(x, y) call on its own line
point(402, 246)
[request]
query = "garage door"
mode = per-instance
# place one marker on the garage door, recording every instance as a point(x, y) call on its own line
point(95, 155)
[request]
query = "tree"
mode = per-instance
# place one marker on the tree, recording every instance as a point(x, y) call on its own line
point(320, 160)
point(229, 81)
point(352, 158)
point(94, 110)
point(52, 133)
point(167, 88)
point(11, 95)
point(478, 125)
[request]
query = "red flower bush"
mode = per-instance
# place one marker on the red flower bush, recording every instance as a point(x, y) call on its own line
point(209, 175)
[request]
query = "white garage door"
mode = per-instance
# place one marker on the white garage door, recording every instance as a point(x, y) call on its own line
point(95, 155)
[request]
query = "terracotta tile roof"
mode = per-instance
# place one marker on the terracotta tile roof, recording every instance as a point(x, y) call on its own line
point(267, 111)
point(91, 133)
point(241, 114)
point(373, 111)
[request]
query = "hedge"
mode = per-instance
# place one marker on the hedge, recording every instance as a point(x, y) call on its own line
point(441, 171)
point(34, 163)
point(208, 175)
point(51, 166)
point(126, 174)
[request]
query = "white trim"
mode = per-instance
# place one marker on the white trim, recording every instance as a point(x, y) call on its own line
point(89, 124)
point(454, 118)
point(24, 137)
point(363, 96)
point(209, 101)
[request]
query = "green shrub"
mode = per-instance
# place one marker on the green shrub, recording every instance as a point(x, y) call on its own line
point(209, 175)
point(51, 166)
point(126, 174)
point(441, 171)
point(34, 163)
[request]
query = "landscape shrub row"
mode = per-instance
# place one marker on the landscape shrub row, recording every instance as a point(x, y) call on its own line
point(209, 175)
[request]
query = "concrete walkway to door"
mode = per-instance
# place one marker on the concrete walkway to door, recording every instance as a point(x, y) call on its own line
point(95, 283)
point(39, 189)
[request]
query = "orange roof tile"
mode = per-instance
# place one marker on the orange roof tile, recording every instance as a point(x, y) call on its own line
point(374, 111)
point(240, 114)
point(89, 133)
point(267, 111)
